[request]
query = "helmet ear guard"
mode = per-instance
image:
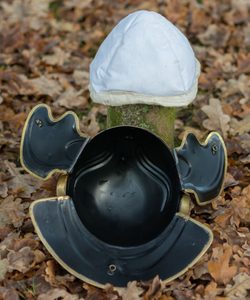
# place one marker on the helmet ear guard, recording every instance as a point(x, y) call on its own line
point(49, 145)
point(202, 166)
point(111, 181)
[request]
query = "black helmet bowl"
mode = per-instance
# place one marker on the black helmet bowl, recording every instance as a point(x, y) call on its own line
point(119, 212)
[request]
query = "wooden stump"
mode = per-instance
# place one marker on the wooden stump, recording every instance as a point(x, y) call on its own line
point(157, 119)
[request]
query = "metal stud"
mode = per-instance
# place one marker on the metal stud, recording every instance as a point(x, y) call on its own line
point(214, 149)
point(39, 123)
point(111, 269)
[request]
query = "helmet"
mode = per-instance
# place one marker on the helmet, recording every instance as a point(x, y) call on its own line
point(120, 210)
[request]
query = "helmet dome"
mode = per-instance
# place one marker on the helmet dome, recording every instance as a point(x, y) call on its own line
point(128, 190)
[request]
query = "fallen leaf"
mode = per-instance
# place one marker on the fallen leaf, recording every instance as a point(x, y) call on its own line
point(21, 260)
point(240, 287)
point(211, 291)
point(55, 294)
point(72, 98)
point(50, 273)
point(12, 211)
point(19, 243)
point(246, 160)
point(3, 268)
point(57, 59)
point(27, 10)
point(132, 291)
point(43, 85)
point(81, 78)
point(244, 141)
point(94, 292)
point(215, 36)
point(219, 267)
point(230, 181)
point(240, 127)
point(78, 3)
point(217, 120)
point(155, 289)
point(8, 294)
point(19, 184)
point(89, 124)
point(3, 190)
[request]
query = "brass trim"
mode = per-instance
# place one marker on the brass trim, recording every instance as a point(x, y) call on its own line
point(204, 144)
point(53, 120)
point(61, 185)
point(185, 205)
point(95, 283)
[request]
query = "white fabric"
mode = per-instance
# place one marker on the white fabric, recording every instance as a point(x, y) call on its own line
point(145, 59)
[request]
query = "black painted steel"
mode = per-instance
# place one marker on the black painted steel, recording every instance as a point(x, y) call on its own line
point(202, 167)
point(168, 254)
point(49, 145)
point(125, 186)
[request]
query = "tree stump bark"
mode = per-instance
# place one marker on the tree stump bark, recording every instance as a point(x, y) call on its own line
point(157, 119)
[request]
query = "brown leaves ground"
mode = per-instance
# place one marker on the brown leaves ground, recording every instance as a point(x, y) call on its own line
point(45, 51)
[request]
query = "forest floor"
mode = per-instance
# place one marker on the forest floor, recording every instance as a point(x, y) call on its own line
point(45, 51)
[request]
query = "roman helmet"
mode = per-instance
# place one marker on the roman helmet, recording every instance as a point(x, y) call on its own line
point(121, 209)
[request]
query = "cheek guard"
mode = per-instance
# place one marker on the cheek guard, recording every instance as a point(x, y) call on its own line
point(120, 212)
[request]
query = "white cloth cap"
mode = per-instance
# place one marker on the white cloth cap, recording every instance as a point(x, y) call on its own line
point(144, 59)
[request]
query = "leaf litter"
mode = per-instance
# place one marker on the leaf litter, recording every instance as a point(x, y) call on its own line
point(45, 52)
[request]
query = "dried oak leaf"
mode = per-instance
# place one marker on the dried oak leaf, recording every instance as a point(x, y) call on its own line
point(240, 127)
point(43, 85)
point(240, 287)
point(72, 98)
point(217, 120)
point(101, 294)
point(244, 64)
point(32, 12)
point(89, 124)
point(3, 268)
point(219, 267)
point(79, 4)
point(20, 184)
point(234, 86)
point(244, 141)
point(132, 291)
point(81, 78)
point(94, 292)
point(211, 291)
point(8, 294)
point(236, 213)
point(21, 260)
point(55, 294)
point(246, 160)
point(240, 207)
point(230, 181)
point(12, 211)
point(52, 268)
point(3, 190)
point(215, 36)
point(57, 59)
point(12, 82)
point(155, 289)
point(18, 243)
